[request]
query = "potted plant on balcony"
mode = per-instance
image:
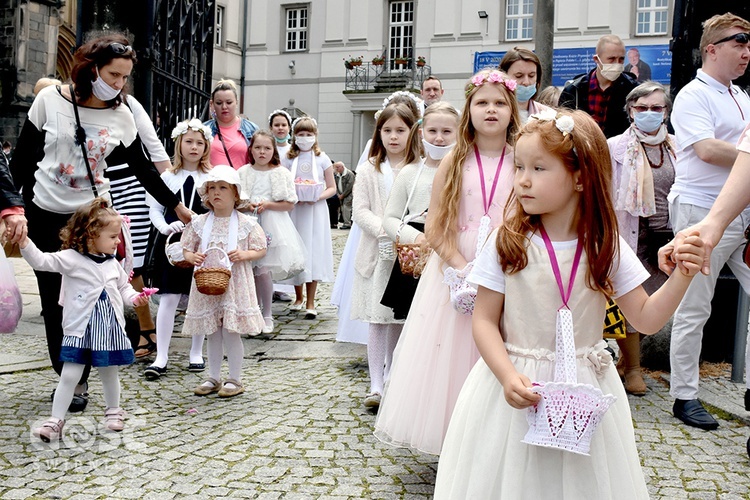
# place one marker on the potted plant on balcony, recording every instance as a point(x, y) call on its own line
point(401, 60)
point(421, 61)
point(378, 61)
point(352, 62)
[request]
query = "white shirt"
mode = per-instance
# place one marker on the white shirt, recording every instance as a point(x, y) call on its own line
point(705, 109)
point(146, 132)
point(62, 183)
point(83, 282)
point(487, 272)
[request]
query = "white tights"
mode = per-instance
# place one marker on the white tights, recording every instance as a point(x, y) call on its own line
point(381, 342)
point(69, 377)
point(231, 343)
point(168, 303)
point(264, 289)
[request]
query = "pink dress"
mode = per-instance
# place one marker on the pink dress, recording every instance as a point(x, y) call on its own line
point(237, 309)
point(436, 350)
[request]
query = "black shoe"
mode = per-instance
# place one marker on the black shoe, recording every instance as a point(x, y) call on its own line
point(748, 447)
point(346, 227)
point(747, 399)
point(78, 403)
point(694, 414)
point(153, 372)
point(197, 367)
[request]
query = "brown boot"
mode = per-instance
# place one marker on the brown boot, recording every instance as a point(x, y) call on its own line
point(630, 354)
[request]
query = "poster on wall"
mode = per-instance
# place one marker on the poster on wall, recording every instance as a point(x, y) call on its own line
point(647, 62)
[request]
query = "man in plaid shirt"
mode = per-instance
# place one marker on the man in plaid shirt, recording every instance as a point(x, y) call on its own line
point(601, 92)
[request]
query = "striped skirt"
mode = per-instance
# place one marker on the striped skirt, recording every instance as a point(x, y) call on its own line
point(103, 344)
point(129, 198)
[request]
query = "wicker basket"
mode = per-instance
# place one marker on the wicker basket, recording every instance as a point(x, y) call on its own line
point(412, 257)
point(173, 251)
point(213, 280)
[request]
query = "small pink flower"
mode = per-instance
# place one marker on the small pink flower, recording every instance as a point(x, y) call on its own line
point(477, 80)
point(495, 77)
point(510, 85)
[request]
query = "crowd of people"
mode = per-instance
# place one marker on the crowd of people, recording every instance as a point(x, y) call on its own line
point(484, 247)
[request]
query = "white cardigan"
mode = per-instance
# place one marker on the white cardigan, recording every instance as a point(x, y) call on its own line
point(82, 284)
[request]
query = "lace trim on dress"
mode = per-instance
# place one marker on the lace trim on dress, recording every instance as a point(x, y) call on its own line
point(595, 356)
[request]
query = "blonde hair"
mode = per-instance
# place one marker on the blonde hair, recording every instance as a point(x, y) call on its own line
point(304, 124)
point(204, 164)
point(224, 84)
point(613, 39)
point(442, 236)
point(415, 141)
point(715, 28)
point(44, 83)
point(85, 225)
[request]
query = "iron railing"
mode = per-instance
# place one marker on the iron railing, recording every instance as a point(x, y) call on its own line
point(387, 75)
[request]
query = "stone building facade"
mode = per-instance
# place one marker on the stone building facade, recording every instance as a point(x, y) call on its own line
point(28, 51)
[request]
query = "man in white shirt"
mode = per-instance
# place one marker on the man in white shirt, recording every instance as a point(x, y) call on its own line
point(709, 116)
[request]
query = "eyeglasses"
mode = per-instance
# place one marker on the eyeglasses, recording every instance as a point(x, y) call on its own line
point(742, 38)
point(642, 109)
point(119, 49)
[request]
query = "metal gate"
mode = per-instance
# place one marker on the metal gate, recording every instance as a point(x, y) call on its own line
point(174, 43)
point(181, 44)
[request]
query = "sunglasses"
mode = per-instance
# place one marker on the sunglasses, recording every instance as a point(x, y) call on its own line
point(120, 49)
point(643, 109)
point(742, 38)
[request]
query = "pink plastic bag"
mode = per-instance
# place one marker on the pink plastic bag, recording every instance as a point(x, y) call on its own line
point(11, 305)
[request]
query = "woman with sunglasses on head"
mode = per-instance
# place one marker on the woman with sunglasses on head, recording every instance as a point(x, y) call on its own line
point(232, 131)
point(643, 173)
point(55, 179)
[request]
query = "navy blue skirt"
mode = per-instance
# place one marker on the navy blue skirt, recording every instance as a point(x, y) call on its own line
point(103, 344)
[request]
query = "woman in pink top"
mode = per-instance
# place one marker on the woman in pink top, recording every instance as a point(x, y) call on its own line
point(231, 132)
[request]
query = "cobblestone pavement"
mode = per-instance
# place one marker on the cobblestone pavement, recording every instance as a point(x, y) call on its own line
point(299, 431)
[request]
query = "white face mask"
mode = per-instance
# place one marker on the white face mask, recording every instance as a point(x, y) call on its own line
point(102, 90)
point(610, 71)
point(436, 152)
point(304, 143)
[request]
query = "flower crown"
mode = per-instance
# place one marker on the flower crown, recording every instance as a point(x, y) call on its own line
point(492, 76)
point(297, 120)
point(564, 123)
point(403, 93)
point(194, 124)
point(279, 112)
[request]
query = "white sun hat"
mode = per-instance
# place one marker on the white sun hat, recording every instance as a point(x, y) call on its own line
point(222, 173)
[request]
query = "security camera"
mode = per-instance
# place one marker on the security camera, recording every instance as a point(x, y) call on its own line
point(291, 64)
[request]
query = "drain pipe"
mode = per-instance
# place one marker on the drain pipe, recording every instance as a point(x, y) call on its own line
point(244, 54)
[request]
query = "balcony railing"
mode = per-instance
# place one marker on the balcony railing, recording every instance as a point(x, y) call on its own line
point(390, 75)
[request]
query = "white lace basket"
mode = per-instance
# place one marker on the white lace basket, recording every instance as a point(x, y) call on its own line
point(569, 413)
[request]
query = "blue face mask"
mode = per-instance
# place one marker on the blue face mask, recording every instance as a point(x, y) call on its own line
point(525, 92)
point(648, 121)
point(283, 139)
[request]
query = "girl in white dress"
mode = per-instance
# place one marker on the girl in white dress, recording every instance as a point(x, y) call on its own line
point(543, 278)
point(191, 164)
point(280, 124)
point(272, 196)
point(373, 265)
point(435, 352)
point(223, 318)
point(313, 177)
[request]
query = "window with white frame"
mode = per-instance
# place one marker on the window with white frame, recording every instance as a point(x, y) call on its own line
point(400, 29)
point(296, 28)
point(519, 19)
point(651, 17)
point(219, 27)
